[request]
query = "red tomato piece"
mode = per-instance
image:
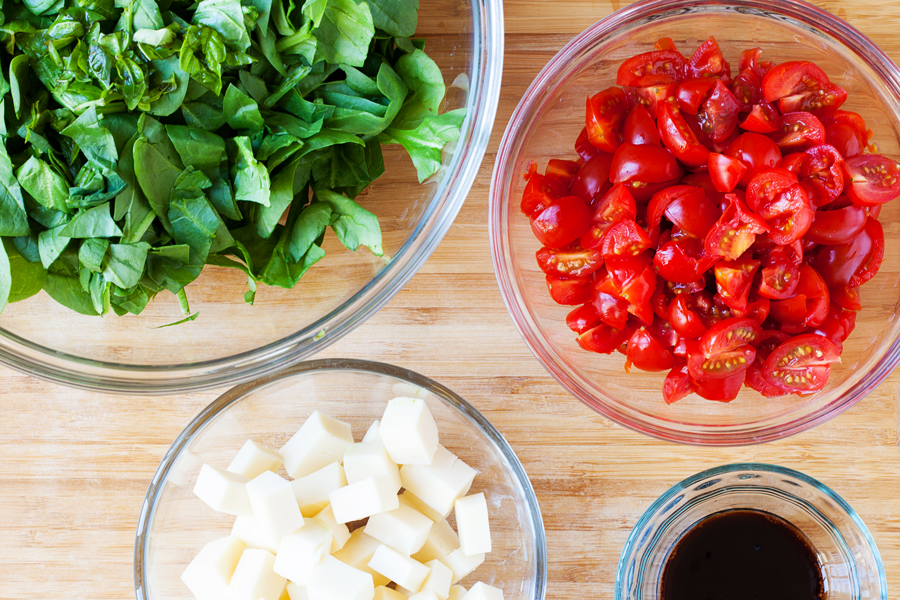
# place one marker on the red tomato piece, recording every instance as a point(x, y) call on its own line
point(802, 86)
point(584, 147)
point(746, 89)
point(571, 291)
point(677, 385)
point(853, 263)
point(665, 43)
point(750, 60)
point(625, 238)
point(636, 281)
point(763, 118)
point(839, 226)
point(735, 231)
point(685, 206)
point(719, 114)
point(684, 318)
point(592, 178)
point(818, 298)
point(583, 318)
point(725, 171)
point(604, 116)
point(873, 179)
point(616, 205)
point(540, 192)
point(837, 326)
point(724, 389)
point(562, 222)
point(681, 261)
point(782, 203)
point(570, 261)
point(679, 138)
point(801, 364)
point(649, 97)
point(660, 67)
point(799, 131)
point(823, 174)
point(756, 151)
point(563, 170)
point(758, 308)
point(734, 280)
point(690, 94)
point(708, 61)
point(780, 272)
point(640, 128)
point(725, 364)
point(602, 339)
point(647, 354)
point(644, 169)
point(612, 310)
point(847, 132)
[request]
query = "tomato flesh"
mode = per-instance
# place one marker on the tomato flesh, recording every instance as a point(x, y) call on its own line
point(605, 114)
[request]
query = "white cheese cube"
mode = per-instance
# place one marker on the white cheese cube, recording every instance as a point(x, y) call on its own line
point(209, 573)
point(373, 434)
point(439, 484)
point(410, 499)
point(339, 532)
point(312, 490)
point(295, 591)
point(409, 432)
point(462, 565)
point(473, 525)
point(424, 595)
point(300, 552)
point(399, 568)
point(370, 459)
point(334, 580)
point(441, 541)
point(456, 592)
point(320, 441)
point(253, 460)
point(248, 531)
point(386, 593)
point(363, 499)
point(404, 529)
point(439, 579)
point(483, 591)
point(274, 505)
point(357, 553)
point(222, 491)
point(254, 578)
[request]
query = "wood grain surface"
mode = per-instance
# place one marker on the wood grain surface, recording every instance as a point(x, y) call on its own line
point(74, 465)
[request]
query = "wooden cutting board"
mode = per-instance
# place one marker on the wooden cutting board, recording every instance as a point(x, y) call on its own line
point(74, 465)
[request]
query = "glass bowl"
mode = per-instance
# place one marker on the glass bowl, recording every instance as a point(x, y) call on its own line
point(545, 125)
point(174, 524)
point(232, 341)
point(851, 565)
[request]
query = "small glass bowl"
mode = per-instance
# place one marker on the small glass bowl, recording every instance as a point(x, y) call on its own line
point(851, 565)
point(545, 125)
point(174, 524)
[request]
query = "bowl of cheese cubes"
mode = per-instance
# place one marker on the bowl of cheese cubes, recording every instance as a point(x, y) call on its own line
point(340, 480)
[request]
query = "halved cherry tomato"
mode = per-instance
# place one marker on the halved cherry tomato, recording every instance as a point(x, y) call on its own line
point(647, 354)
point(801, 364)
point(873, 179)
point(822, 173)
point(684, 318)
point(838, 226)
point(660, 67)
point(570, 261)
point(754, 378)
point(663, 331)
point(846, 297)
point(604, 116)
point(678, 137)
point(837, 326)
point(824, 101)
point(853, 263)
point(690, 94)
point(681, 261)
point(734, 279)
point(801, 85)
point(540, 192)
point(584, 147)
point(677, 385)
point(725, 350)
point(708, 61)
point(725, 171)
point(722, 365)
point(780, 272)
point(818, 298)
point(616, 205)
point(583, 318)
point(612, 309)
point(685, 206)
point(725, 389)
point(640, 128)
point(592, 178)
point(643, 169)
point(625, 238)
point(763, 118)
point(746, 89)
point(847, 132)
point(728, 335)
point(562, 222)
point(782, 203)
point(758, 308)
point(735, 230)
point(799, 131)
point(602, 339)
point(636, 281)
point(750, 60)
point(756, 151)
point(564, 170)
point(650, 97)
point(570, 291)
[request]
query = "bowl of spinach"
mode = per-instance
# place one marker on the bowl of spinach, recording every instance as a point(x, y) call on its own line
point(194, 194)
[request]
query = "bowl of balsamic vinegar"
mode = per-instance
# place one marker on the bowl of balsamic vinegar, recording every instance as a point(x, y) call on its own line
point(747, 531)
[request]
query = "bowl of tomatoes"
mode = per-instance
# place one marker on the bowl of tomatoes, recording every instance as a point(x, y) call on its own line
point(693, 222)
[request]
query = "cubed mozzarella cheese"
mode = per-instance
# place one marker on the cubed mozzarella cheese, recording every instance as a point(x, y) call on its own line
point(223, 491)
point(254, 578)
point(300, 552)
point(483, 591)
point(363, 499)
point(370, 459)
point(439, 579)
point(296, 591)
point(473, 525)
point(335, 580)
point(339, 532)
point(399, 568)
point(404, 529)
point(209, 573)
point(456, 592)
point(373, 434)
point(312, 490)
point(249, 532)
point(439, 484)
point(253, 460)
point(274, 505)
point(462, 565)
point(441, 541)
point(386, 593)
point(410, 499)
point(357, 553)
point(409, 432)
point(319, 442)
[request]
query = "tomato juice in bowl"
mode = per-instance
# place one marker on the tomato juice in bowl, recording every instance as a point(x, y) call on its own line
point(548, 121)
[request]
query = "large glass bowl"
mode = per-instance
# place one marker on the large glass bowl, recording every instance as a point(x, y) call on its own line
point(232, 341)
point(850, 562)
point(545, 125)
point(174, 524)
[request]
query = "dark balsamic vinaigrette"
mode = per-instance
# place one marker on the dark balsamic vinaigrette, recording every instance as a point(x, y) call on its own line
point(742, 555)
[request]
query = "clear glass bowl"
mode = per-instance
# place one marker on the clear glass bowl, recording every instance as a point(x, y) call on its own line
point(174, 524)
point(851, 565)
point(545, 125)
point(232, 341)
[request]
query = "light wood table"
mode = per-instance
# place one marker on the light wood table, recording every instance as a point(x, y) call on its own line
point(74, 465)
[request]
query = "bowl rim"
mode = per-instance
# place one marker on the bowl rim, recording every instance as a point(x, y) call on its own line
point(701, 435)
point(752, 467)
point(485, 72)
point(237, 393)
